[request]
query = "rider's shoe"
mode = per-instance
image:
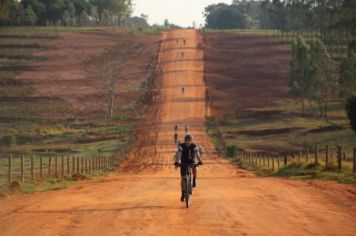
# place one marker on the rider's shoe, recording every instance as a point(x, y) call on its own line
point(194, 183)
point(182, 198)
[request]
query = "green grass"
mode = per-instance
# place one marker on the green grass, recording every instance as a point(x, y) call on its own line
point(48, 184)
point(285, 129)
point(302, 170)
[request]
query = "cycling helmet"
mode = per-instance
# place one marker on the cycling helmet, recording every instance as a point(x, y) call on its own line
point(188, 137)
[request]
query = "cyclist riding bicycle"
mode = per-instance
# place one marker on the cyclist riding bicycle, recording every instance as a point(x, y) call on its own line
point(188, 153)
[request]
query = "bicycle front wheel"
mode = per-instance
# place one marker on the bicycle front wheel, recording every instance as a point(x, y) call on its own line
point(187, 192)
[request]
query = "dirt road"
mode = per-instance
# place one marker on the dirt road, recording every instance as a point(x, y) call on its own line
point(143, 197)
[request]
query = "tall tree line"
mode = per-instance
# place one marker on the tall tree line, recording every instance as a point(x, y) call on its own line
point(328, 18)
point(64, 12)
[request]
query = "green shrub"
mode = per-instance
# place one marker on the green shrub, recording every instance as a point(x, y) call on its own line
point(9, 140)
point(230, 150)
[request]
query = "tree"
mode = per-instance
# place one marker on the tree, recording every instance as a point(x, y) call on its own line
point(351, 111)
point(72, 13)
point(300, 70)
point(347, 81)
point(94, 14)
point(223, 16)
point(30, 17)
point(38, 7)
point(66, 18)
point(106, 17)
point(84, 18)
point(322, 83)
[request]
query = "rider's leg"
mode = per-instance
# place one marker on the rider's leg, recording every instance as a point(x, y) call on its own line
point(194, 169)
point(182, 183)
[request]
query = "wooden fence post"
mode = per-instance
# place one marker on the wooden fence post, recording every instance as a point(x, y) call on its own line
point(41, 167)
point(32, 168)
point(78, 165)
point(267, 160)
point(49, 165)
point(10, 169)
point(339, 157)
point(68, 166)
point(273, 162)
point(62, 165)
point(278, 160)
point(73, 165)
point(285, 160)
point(327, 156)
point(354, 161)
point(56, 166)
point(307, 155)
point(82, 165)
point(22, 169)
point(86, 165)
point(316, 155)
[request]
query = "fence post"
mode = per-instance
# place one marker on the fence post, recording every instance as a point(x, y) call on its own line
point(273, 162)
point(32, 168)
point(68, 167)
point(278, 160)
point(49, 165)
point(77, 165)
point(56, 166)
point(285, 160)
point(327, 156)
point(267, 160)
point(316, 155)
point(73, 165)
point(41, 167)
point(339, 157)
point(86, 165)
point(82, 165)
point(354, 161)
point(10, 168)
point(22, 169)
point(62, 165)
point(307, 155)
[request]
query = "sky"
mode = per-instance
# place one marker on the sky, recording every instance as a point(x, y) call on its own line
point(179, 12)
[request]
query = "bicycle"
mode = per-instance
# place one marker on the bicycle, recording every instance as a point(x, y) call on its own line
point(187, 183)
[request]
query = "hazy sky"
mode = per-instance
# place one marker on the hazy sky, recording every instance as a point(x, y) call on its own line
point(180, 12)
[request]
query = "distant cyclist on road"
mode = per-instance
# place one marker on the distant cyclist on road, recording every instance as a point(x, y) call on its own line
point(183, 90)
point(188, 153)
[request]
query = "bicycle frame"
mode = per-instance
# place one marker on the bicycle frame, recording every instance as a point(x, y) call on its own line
point(187, 183)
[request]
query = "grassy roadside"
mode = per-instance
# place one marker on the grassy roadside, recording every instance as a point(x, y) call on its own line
point(50, 184)
point(302, 171)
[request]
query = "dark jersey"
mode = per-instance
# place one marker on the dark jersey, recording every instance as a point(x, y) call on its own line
point(187, 153)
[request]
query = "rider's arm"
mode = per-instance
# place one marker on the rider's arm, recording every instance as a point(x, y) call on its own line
point(197, 155)
point(179, 155)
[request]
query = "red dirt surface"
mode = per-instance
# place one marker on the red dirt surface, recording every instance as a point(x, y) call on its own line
point(143, 197)
point(66, 74)
point(245, 71)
